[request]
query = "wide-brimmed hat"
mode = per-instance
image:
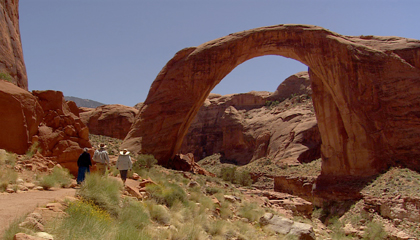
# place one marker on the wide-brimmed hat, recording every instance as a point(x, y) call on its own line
point(102, 145)
point(86, 149)
point(126, 152)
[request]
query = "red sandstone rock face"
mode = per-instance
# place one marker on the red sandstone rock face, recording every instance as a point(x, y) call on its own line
point(20, 115)
point(109, 120)
point(11, 55)
point(243, 129)
point(61, 135)
point(365, 92)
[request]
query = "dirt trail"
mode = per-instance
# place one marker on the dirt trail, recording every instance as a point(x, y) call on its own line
point(15, 205)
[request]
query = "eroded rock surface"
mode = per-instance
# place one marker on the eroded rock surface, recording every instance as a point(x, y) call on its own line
point(11, 55)
point(365, 92)
point(245, 127)
point(61, 134)
point(113, 120)
point(20, 115)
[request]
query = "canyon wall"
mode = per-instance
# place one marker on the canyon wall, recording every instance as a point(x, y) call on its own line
point(11, 55)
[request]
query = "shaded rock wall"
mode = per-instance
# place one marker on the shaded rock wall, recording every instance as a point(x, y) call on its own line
point(113, 120)
point(365, 91)
point(11, 55)
point(243, 128)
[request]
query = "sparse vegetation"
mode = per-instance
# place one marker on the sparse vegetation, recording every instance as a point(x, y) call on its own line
point(58, 177)
point(271, 104)
point(144, 161)
point(6, 76)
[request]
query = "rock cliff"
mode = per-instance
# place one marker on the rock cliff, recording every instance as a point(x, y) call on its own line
point(365, 93)
point(245, 127)
point(20, 115)
point(11, 55)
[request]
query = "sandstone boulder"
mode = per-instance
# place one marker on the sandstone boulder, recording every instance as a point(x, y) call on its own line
point(20, 115)
point(365, 92)
point(109, 120)
point(61, 134)
point(186, 163)
point(11, 55)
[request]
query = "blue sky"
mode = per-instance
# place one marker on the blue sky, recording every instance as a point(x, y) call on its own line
point(111, 50)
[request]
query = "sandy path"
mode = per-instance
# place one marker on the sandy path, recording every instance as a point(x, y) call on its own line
point(15, 205)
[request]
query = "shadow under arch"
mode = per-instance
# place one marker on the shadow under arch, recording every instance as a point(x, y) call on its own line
point(351, 77)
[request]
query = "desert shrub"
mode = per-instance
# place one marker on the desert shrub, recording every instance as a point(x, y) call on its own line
point(158, 213)
point(271, 104)
point(102, 191)
point(58, 177)
point(6, 76)
point(85, 220)
point(212, 190)
point(13, 228)
point(134, 213)
point(7, 158)
point(374, 231)
point(167, 194)
point(250, 211)
point(228, 173)
point(32, 150)
point(243, 178)
point(144, 161)
point(7, 176)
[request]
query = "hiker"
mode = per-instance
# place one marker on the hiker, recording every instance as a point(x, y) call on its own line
point(83, 163)
point(101, 159)
point(124, 164)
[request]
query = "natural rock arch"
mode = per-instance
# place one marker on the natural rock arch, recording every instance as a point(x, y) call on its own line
point(365, 91)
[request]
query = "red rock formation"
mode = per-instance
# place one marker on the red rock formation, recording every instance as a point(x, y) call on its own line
point(11, 55)
point(186, 163)
point(242, 128)
point(110, 120)
point(61, 135)
point(365, 92)
point(20, 115)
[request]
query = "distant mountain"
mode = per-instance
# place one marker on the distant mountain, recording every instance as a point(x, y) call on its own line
point(84, 102)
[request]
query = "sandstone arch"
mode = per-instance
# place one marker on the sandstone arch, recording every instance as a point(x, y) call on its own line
point(365, 91)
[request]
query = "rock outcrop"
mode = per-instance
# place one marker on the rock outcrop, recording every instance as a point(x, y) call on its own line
point(61, 134)
point(113, 120)
point(11, 55)
point(245, 127)
point(365, 93)
point(20, 115)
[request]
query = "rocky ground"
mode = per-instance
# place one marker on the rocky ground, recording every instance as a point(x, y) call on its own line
point(388, 209)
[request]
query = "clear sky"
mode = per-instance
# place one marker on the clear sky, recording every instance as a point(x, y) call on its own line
point(111, 50)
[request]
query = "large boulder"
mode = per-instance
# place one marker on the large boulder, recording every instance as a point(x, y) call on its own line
point(61, 134)
point(20, 115)
point(244, 127)
point(11, 55)
point(113, 120)
point(365, 93)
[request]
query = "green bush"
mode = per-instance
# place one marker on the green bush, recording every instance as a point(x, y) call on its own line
point(167, 194)
point(243, 178)
point(7, 176)
point(58, 177)
point(134, 213)
point(251, 211)
point(84, 220)
point(144, 161)
point(158, 213)
point(6, 76)
point(228, 173)
point(102, 191)
point(374, 231)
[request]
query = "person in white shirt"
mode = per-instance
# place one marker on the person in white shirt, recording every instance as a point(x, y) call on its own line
point(124, 164)
point(101, 158)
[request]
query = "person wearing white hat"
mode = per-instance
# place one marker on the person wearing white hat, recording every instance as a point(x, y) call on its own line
point(124, 164)
point(101, 158)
